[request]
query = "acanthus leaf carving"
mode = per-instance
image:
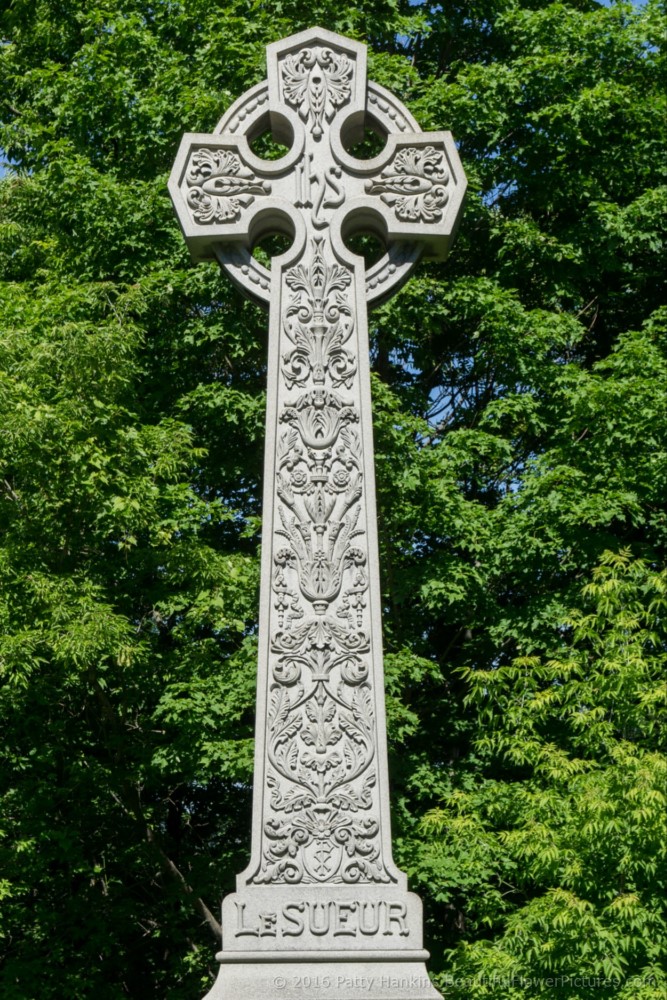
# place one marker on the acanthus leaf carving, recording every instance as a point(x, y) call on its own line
point(220, 185)
point(323, 823)
point(319, 323)
point(317, 81)
point(415, 184)
point(322, 746)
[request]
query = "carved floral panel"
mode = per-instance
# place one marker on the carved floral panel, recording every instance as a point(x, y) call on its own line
point(219, 185)
point(316, 81)
point(414, 184)
point(322, 821)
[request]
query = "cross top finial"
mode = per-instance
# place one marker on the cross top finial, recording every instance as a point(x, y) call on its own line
point(317, 101)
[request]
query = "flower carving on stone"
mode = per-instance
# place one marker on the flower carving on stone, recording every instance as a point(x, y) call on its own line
point(319, 415)
point(322, 820)
point(415, 184)
point(319, 323)
point(220, 186)
point(322, 823)
point(321, 730)
point(299, 479)
point(316, 81)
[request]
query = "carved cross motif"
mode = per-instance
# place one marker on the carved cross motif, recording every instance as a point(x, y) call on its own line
point(321, 796)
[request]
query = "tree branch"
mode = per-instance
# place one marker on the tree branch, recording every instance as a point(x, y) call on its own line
point(131, 805)
point(187, 890)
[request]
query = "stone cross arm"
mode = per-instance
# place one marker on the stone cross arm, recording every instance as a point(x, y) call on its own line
point(317, 101)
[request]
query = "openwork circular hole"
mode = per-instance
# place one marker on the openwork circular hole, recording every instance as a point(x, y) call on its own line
point(271, 139)
point(271, 246)
point(365, 245)
point(266, 147)
point(365, 145)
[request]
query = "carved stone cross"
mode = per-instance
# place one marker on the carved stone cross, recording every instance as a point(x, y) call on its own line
point(321, 910)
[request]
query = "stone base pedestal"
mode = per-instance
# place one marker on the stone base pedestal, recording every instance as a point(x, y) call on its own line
point(366, 978)
point(316, 942)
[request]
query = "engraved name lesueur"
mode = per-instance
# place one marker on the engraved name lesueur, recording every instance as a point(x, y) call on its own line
point(324, 918)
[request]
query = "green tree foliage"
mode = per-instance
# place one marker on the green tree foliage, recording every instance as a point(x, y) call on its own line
point(521, 428)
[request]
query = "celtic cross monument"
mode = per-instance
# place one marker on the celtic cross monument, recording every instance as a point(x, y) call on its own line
point(321, 911)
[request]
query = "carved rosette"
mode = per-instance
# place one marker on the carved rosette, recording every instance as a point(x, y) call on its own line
point(316, 81)
point(219, 186)
point(322, 821)
point(415, 184)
